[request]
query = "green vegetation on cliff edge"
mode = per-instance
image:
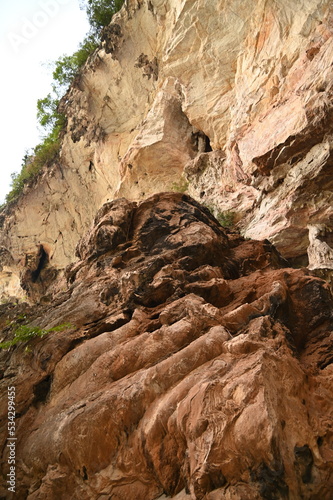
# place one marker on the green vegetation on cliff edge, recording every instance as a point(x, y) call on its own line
point(24, 333)
point(53, 122)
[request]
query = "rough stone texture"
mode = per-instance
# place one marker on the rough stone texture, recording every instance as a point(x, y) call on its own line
point(10, 286)
point(198, 366)
point(199, 363)
point(174, 79)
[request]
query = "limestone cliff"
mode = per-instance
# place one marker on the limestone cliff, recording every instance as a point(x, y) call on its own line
point(236, 100)
point(197, 367)
point(197, 363)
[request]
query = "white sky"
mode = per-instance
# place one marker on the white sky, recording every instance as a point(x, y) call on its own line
point(32, 33)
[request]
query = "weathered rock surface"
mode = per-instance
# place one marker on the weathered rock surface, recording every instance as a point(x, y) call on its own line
point(198, 366)
point(239, 101)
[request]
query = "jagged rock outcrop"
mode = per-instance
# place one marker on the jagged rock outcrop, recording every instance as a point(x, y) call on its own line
point(198, 366)
point(239, 101)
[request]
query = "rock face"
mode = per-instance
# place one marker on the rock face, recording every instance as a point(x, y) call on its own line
point(198, 363)
point(237, 101)
point(197, 366)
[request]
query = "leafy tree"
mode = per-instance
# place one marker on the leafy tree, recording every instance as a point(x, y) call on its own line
point(100, 12)
point(47, 113)
point(67, 67)
point(43, 154)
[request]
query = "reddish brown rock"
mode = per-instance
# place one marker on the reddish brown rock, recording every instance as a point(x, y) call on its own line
point(198, 366)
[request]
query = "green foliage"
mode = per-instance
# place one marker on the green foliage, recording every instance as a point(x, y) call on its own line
point(46, 152)
point(100, 12)
point(67, 67)
point(47, 113)
point(43, 154)
point(181, 186)
point(24, 333)
point(18, 180)
point(210, 208)
point(226, 219)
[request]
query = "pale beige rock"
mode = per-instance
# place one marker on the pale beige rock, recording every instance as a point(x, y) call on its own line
point(163, 146)
point(320, 252)
point(10, 287)
point(180, 78)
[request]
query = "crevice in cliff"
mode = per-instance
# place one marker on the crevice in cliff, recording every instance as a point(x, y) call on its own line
point(296, 147)
point(271, 481)
point(41, 390)
point(84, 474)
point(109, 324)
point(43, 259)
point(303, 462)
point(201, 141)
point(299, 261)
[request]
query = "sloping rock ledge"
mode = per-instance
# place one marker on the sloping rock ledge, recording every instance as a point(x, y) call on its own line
point(198, 366)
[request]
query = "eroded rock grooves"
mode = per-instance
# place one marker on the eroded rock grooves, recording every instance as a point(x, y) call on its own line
point(198, 366)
